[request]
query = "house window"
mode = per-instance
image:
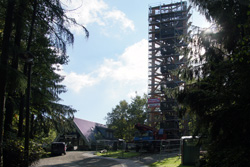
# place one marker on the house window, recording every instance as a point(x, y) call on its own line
point(109, 135)
point(80, 142)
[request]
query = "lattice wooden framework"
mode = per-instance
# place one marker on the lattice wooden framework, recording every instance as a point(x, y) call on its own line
point(168, 23)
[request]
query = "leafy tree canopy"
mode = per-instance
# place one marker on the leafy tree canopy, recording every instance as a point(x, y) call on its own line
point(218, 77)
point(124, 117)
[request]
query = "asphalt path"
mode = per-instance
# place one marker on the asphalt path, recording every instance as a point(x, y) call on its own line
point(85, 159)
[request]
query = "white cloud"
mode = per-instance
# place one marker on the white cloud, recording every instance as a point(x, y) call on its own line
point(130, 68)
point(86, 12)
point(132, 94)
point(119, 16)
point(75, 81)
point(78, 81)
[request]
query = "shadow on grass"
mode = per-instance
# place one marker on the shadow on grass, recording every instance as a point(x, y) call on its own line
point(87, 162)
point(118, 154)
point(184, 165)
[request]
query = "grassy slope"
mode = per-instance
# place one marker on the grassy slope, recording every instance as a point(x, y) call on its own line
point(169, 162)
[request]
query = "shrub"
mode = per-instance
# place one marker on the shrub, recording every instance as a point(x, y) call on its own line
point(14, 155)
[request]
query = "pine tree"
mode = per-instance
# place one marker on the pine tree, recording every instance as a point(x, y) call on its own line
point(217, 94)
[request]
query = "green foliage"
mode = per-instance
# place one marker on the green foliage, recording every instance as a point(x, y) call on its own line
point(169, 162)
point(17, 81)
point(40, 29)
point(219, 97)
point(49, 137)
point(124, 117)
point(14, 149)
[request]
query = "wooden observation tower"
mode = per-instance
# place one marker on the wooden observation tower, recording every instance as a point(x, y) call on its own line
point(168, 24)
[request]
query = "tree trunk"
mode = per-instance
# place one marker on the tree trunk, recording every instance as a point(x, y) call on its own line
point(32, 126)
point(21, 116)
point(8, 117)
point(27, 121)
point(13, 93)
point(27, 133)
point(19, 31)
point(4, 73)
point(21, 109)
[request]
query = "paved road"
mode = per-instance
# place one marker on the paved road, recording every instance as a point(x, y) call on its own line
point(85, 159)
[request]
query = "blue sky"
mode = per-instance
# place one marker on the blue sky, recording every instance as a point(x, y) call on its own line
point(111, 65)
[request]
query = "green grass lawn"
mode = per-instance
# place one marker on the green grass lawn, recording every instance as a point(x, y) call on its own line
point(118, 154)
point(169, 162)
